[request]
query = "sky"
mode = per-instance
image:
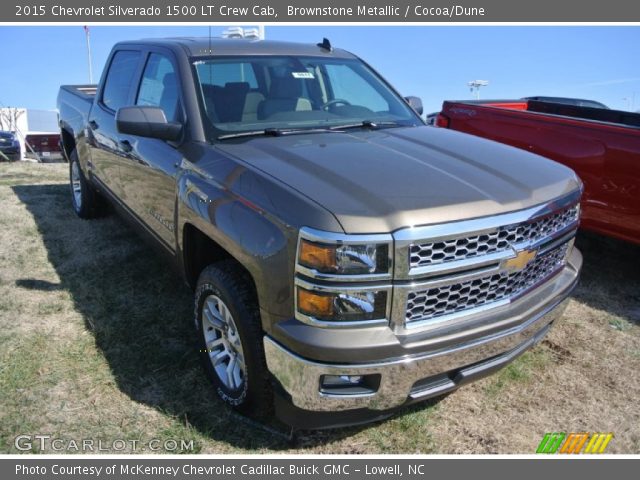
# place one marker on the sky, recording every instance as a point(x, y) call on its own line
point(433, 62)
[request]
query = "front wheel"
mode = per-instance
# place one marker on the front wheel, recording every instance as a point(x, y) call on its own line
point(228, 320)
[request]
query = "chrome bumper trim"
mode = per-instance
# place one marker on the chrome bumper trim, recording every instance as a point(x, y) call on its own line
point(477, 371)
point(301, 377)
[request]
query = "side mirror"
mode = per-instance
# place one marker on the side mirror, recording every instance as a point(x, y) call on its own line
point(415, 103)
point(147, 122)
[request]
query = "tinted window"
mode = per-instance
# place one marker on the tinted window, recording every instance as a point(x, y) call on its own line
point(159, 86)
point(256, 92)
point(347, 83)
point(225, 72)
point(119, 79)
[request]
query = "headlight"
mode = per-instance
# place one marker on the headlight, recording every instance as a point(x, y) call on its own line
point(345, 259)
point(343, 280)
point(341, 306)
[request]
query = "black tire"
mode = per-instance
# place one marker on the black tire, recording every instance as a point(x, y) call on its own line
point(232, 284)
point(88, 203)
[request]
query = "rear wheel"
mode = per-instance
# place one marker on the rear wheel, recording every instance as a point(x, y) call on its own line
point(231, 349)
point(86, 202)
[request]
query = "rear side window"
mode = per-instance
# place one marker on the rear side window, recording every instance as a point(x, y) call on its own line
point(119, 79)
point(159, 86)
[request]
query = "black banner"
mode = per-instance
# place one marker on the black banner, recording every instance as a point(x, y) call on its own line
point(314, 468)
point(348, 11)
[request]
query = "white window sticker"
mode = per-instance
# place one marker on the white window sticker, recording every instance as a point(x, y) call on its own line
point(305, 75)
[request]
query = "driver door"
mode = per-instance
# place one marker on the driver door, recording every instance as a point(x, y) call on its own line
point(149, 172)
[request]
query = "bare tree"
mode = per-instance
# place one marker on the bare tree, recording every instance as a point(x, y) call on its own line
point(9, 118)
point(9, 122)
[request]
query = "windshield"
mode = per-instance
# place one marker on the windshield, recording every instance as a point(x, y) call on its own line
point(245, 94)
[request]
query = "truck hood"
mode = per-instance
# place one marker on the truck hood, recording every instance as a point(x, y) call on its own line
point(383, 180)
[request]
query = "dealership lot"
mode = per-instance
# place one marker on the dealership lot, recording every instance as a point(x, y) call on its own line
point(96, 343)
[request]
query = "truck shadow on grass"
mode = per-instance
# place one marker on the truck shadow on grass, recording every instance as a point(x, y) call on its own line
point(140, 314)
point(610, 279)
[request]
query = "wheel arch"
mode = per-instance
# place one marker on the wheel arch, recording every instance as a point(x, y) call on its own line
point(68, 141)
point(213, 224)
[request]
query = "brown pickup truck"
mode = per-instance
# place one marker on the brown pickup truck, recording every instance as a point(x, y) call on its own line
point(346, 258)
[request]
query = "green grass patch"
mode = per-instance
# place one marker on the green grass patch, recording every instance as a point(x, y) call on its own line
point(519, 371)
point(619, 324)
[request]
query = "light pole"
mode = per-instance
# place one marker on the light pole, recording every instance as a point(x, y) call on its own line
point(86, 33)
point(476, 84)
point(630, 101)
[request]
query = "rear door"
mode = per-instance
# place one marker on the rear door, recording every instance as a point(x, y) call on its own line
point(107, 151)
point(148, 174)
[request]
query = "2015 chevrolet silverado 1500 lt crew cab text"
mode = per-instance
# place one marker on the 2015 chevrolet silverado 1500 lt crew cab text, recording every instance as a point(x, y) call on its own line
point(602, 146)
point(346, 258)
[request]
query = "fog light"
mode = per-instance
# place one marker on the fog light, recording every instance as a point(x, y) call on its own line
point(332, 380)
point(349, 384)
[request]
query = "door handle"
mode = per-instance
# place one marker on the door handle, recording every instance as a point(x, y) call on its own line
point(126, 146)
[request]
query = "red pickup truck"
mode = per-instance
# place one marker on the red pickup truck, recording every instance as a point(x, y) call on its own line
point(602, 146)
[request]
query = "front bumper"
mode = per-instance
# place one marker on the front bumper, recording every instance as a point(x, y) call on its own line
point(436, 370)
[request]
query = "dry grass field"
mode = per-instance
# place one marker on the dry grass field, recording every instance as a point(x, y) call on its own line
point(96, 342)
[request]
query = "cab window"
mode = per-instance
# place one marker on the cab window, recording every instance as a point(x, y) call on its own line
point(119, 79)
point(159, 86)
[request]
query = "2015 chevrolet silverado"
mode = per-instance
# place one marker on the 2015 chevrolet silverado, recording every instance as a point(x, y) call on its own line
point(346, 258)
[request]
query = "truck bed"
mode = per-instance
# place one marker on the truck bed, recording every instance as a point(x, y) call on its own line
point(601, 146)
point(87, 91)
point(74, 104)
point(599, 115)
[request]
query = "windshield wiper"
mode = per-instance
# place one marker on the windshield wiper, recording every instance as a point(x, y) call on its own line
point(267, 132)
point(278, 132)
point(275, 132)
point(366, 124)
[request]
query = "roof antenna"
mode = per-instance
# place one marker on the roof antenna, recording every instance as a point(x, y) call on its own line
point(326, 45)
point(210, 72)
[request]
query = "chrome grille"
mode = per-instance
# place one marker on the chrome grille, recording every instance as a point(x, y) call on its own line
point(502, 238)
point(444, 300)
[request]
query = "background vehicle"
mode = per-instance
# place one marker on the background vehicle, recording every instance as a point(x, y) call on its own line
point(601, 146)
point(44, 146)
point(346, 259)
point(9, 147)
point(430, 119)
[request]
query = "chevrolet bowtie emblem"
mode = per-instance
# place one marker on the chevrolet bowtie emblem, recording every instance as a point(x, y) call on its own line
point(520, 261)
